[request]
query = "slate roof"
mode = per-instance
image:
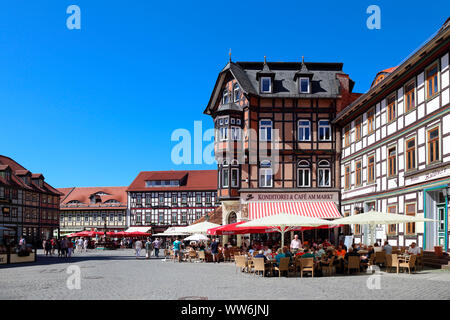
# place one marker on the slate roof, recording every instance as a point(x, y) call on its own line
point(324, 83)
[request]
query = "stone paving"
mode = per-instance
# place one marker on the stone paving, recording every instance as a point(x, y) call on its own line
point(118, 274)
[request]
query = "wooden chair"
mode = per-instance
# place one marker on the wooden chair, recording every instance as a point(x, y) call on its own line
point(394, 262)
point(307, 265)
point(283, 267)
point(411, 263)
point(354, 262)
point(192, 256)
point(201, 256)
point(259, 266)
point(419, 260)
point(297, 264)
point(329, 269)
point(380, 258)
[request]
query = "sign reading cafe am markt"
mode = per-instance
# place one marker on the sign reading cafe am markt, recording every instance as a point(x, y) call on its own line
point(293, 196)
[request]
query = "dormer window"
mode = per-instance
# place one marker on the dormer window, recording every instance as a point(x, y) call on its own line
point(304, 85)
point(225, 97)
point(266, 85)
point(236, 92)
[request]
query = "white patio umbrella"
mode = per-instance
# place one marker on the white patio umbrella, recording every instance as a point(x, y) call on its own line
point(373, 218)
point(196, 237)
point(173, 231)
point(201, 227)
point(286, 222)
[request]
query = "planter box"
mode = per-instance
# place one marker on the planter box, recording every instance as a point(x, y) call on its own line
point(14, 258)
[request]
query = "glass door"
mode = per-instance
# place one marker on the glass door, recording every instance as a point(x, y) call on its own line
point(441, 224)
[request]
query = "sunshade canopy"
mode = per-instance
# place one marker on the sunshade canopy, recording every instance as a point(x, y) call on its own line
point(322, 210)
point(286, 222)
point(196, 237)
point(201, 227)
point(232, 229)
point(375, 217)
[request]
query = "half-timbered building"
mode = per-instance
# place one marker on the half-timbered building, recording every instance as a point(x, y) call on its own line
point(29, 206)
point(275, 144)
point(93, 208)
point(396, 147)
point(161, 199)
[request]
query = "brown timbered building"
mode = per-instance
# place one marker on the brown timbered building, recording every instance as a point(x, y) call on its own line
point(274, 143)
point(29, 206)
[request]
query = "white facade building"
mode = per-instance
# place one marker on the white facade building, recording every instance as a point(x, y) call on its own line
point(396, 147)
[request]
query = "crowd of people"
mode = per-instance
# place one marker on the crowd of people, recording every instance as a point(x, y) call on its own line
point(323, 253)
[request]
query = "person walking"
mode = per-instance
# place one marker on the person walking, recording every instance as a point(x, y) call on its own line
point(138, 247)
point(48, 247)
point(148, 248)
point(177, 250)
point(58, 247)
point(85, 244)
point(69, 248)
point(156, 246)
point(215, 250)
point(80, 245)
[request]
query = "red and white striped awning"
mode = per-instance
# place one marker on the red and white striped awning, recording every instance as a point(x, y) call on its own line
point(322, 210)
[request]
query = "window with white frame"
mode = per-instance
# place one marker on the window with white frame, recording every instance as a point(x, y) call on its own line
point(265, 130)
point(324, 130)
point(225, 97)
point(324, 173)
point(234, 177)
point(223, 133)
point(303, 174)
point(304, 85)
point(265, 174)
point(236, 92)
point(304, 130)
point(266, 84)
point(225, 171)
point(236, 133)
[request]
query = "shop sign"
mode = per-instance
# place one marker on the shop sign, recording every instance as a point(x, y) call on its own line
point(292, 196)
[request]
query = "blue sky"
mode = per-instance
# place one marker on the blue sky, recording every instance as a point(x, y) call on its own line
point(95, 106)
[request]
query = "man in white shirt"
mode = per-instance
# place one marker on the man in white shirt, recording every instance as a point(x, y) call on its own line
point(138, 247)
point(414, 249)
point(296, 244)
point(85, 244)
point(80, 245)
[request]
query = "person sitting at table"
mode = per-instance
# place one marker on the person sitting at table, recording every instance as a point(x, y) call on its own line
point(326, 244)
point(261, 255)
point(365, 258)
point(320, 252)
point(413, 249)
point(267, 251)
point(340, 251)
point(351, 252)
point(387, 248)
point(308, 254)
point(287, 253)
point(326, 258)
point(279, 255)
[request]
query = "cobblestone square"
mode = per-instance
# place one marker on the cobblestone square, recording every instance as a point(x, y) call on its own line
point(118, 274)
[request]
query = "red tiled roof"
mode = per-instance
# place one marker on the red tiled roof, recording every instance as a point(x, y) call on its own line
point(196, 180)
point(18, 170)
point(83, 194)
point(214, 216)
